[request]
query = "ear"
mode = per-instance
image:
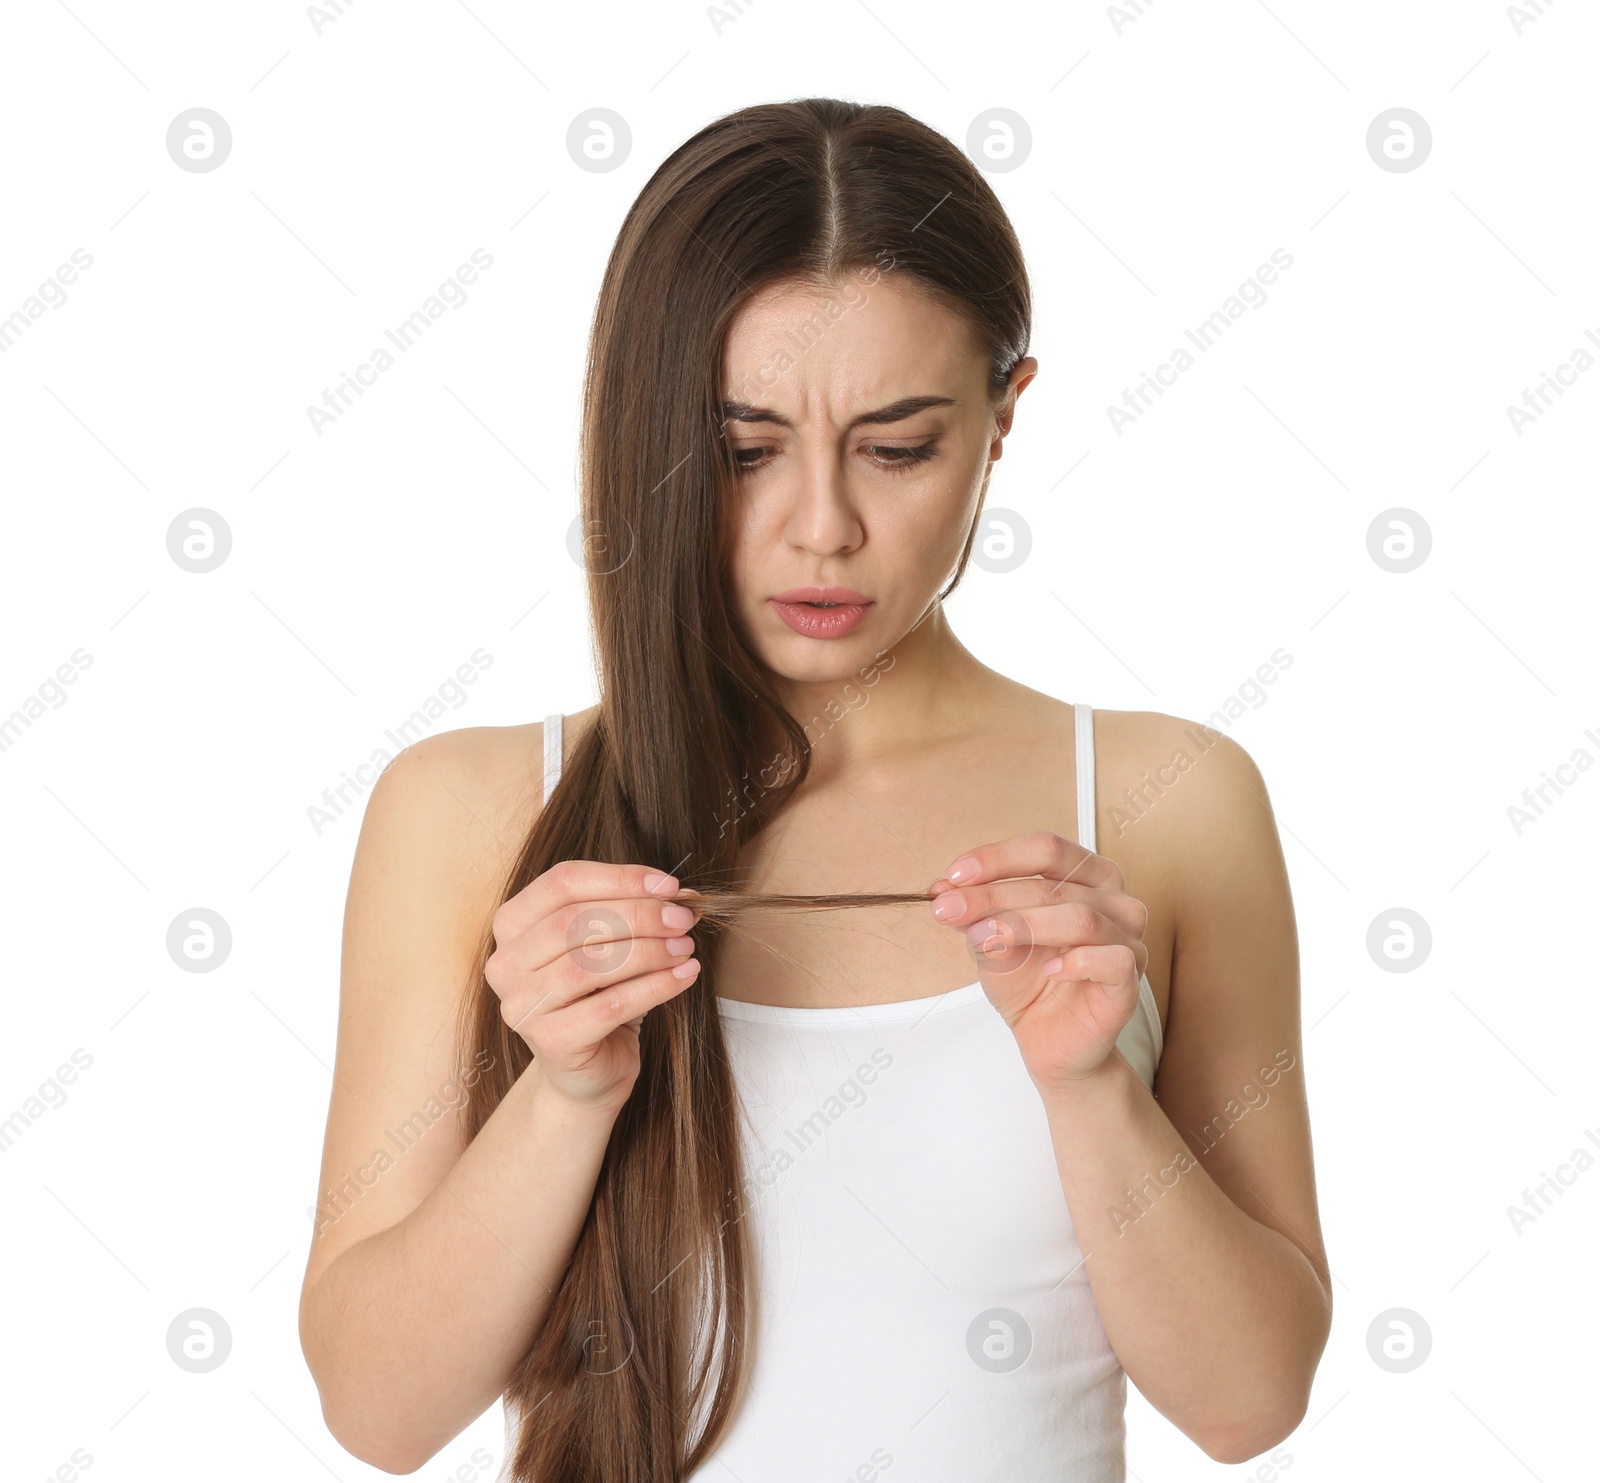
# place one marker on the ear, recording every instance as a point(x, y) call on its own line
point(1021, 374)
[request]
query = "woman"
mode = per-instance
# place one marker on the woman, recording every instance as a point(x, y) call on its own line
point(825, 1194)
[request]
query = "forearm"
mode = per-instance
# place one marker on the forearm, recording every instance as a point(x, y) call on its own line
point(1218, 1319)
point(413, 1332)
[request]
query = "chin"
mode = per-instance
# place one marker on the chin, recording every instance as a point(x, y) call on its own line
point(854, 659)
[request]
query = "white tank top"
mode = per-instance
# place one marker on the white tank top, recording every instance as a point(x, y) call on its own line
point(922, 1303)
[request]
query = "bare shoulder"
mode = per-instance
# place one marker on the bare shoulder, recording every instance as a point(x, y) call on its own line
point(1182, 809)
point(1172, 790)
point(492, 769)
point(1191, 805)
point(445, 821)
point(442, 830)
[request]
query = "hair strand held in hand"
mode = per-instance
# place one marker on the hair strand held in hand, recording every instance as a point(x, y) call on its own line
point(727, 906)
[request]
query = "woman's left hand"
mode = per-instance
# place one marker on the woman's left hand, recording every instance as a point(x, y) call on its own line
point(1059, 944)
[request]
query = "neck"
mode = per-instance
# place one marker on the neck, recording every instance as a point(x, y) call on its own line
point(927, 687)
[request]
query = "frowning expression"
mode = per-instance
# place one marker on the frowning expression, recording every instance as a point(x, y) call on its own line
point(861, 423)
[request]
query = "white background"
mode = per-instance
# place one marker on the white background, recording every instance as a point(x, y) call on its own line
point(1171, 153)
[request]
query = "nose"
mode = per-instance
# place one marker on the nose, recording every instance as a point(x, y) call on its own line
point(822, 516)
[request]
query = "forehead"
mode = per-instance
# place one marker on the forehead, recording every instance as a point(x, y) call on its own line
point(795, 346)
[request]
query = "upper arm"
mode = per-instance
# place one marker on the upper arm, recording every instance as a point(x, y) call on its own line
point(440, 828)
point(1232, 1079)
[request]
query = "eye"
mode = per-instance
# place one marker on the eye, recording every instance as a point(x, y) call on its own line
point(902, 457)
point(890, 456)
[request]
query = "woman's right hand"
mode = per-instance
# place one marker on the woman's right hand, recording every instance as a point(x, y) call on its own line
point(581, 954)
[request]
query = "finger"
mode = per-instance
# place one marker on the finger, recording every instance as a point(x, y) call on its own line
point(1007, 938)
point(1077, 926)
point(587, 1021)
point(596, 932)
point(570, 882)
point(1041, 853)
point(1114, 965)
point(962, 905)
point(574, 952)
point(573, 976)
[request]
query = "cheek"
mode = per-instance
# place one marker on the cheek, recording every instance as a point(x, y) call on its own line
point(743, 543)
point(930, 544)
point(937, 514)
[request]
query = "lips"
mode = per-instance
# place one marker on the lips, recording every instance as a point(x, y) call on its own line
point(822, 594)
point(822, 612)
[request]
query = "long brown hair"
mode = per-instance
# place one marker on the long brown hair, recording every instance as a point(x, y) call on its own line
point(638, 1367)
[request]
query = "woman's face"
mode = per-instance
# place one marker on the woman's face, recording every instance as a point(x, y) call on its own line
point(863, 429)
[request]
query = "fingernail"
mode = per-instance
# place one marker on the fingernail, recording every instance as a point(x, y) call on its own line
point(676, 916)
point(951, 904)
point(1055, 965)
point(963, 867)
point(687, 970)
point(655, 878)
point(680, 947)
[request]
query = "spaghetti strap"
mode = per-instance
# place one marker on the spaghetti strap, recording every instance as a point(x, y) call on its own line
point(552, 754)
point(1084, 718)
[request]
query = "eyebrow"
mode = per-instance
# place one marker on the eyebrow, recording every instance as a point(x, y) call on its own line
point(894, 412)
